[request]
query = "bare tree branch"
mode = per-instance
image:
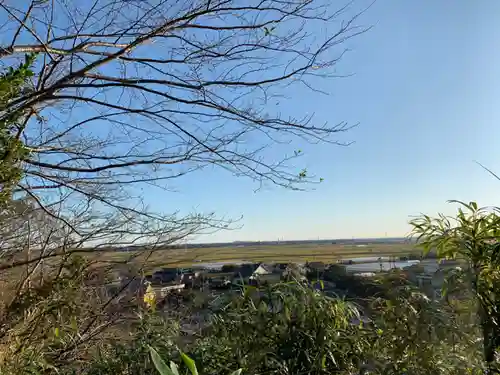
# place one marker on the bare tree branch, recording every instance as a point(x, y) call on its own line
point(128, 93)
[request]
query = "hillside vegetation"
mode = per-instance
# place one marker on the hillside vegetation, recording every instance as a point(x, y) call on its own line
point(380, 326)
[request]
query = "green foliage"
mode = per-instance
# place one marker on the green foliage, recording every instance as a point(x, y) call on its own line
point(469, 235)
point(189, 364)
point(287, 328)
point(473, 237)
point(268, 30)
point(132, 355)
point(417, 335)
point(293, 273)
point(291, 329)
point(160, 364)
point(40, 323)
point(163, 369)
point(13, 85)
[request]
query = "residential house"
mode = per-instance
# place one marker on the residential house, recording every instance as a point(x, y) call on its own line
point(280, 267)
point(264, 274)
point(316, 266)
point(169, 288)
point(189, 278)
point(263, 269)
point(429, 279)
point(245, 270)
point(165, 275)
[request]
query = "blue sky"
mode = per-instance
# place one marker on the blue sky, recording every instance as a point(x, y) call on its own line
point(425, 92)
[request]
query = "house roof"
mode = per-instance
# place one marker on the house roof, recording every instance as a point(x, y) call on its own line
point(316, 265)
point(168, 270)
point(246, 269)
point(264, 268)
point(281, 265)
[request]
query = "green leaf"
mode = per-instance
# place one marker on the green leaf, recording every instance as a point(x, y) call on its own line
point(174, 368)
point(190, 364)
point(267, 31)
point(56, 332)
point(74, 324)
point(159, 363)
point(237, 372)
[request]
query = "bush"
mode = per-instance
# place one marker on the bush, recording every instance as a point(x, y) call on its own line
point(287, 328)
point(291, 329)
point(163, 369)
point(131, 355)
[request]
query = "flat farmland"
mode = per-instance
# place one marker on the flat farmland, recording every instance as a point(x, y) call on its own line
point(265, 253)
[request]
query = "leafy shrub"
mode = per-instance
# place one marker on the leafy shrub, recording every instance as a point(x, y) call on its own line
point(417, 335)
point(131, 355)
point(285, 329)
point(163, 369)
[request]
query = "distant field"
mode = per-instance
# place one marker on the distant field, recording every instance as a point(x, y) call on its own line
point(265, 253)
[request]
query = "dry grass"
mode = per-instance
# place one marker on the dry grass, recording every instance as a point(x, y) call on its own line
point(272, 253)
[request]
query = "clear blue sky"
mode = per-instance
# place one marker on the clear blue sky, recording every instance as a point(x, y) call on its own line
point(426, 92)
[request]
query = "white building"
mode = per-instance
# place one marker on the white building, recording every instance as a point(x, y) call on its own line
point(262, 270)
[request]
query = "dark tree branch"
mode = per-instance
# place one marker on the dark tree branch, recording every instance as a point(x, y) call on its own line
point(125, 95)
